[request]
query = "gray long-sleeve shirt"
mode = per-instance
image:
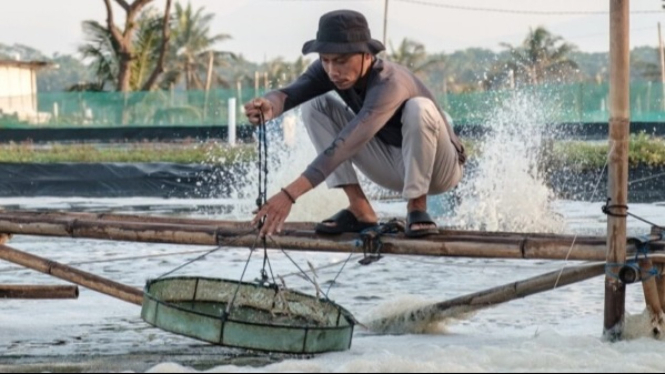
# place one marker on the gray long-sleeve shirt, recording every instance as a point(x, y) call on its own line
point(378, 107)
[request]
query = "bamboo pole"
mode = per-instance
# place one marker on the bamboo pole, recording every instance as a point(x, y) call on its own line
point(615, 291)
point(458, 245)
point(652, 297)
point(487, 298)
point(38, 292)
point(533, 245)
point(68, 273)
point(45, 217)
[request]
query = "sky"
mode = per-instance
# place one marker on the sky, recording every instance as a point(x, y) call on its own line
point(265, 29)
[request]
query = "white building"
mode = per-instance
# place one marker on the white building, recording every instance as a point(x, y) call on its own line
point(18, 89)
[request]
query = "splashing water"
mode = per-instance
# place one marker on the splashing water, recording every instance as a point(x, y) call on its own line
point(506, 192)
point(399, 316)
point(289, 152)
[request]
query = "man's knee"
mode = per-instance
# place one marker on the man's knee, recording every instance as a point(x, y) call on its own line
point(420, 112)
point(312, 107)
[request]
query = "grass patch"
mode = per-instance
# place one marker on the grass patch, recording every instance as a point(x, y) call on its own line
point(182, 153)
point(644, 150)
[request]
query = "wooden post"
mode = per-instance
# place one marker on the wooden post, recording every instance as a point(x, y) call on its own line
point(239, 88)
point(257, 82)
point(172, 92)
point(651, 296)
point(38, 292)
point(615, 290)
point(661, 53)
point(660, 283)
point(91, 281)
point(211, 58)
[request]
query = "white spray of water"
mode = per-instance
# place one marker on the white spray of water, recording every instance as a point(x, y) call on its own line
point(506, 192)
point(289, 152)
point(413, 315)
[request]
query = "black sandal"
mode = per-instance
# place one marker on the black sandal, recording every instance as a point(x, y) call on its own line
point(344, 221)
point(419, 217)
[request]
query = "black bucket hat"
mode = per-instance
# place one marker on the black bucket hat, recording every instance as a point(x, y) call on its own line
point(343, 31)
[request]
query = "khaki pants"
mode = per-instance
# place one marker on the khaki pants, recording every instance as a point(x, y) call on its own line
point(427, 163)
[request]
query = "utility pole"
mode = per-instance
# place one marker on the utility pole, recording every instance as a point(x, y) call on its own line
point(385, 22)
point(661, 53)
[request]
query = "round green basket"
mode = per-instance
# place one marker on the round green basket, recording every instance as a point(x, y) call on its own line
point(262, 318)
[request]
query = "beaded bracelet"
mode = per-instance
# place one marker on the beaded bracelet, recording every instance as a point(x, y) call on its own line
point(289, 195)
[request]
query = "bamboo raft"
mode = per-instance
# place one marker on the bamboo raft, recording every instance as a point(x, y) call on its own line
point(299, 236)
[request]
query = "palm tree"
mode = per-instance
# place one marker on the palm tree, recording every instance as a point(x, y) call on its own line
point(147, 46)
point(191, 49)
point(412, 54)
point(541, 56)
point(104, 51)
point(282, 72)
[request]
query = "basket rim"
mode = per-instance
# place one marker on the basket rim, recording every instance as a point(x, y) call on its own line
point(343, 312)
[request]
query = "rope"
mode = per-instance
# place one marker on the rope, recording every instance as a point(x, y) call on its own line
point(200, 257)
point(118, 259)
point(227, 311)
point(261, 200)
point(607, 209)
point(646, 179)
point(593, 195)
point(189, 262)
point(304, 273)
point(334, 281)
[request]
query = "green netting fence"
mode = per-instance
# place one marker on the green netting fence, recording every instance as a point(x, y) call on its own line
point(577, 103)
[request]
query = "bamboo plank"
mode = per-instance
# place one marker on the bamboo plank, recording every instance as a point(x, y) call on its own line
point(38, 292)
point(68, 273)
point(465, 245)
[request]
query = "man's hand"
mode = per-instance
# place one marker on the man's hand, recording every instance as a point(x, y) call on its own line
point(255, 107)
point(276, 210)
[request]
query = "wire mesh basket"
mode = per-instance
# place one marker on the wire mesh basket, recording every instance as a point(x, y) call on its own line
point(264, 318)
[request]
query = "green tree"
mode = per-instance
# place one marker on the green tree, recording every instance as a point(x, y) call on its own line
point(123, 42)
point(102, 52)
point(541, 57)
point(281, 73)
point(192, 51)
point(107, 56)
point(413, 55)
